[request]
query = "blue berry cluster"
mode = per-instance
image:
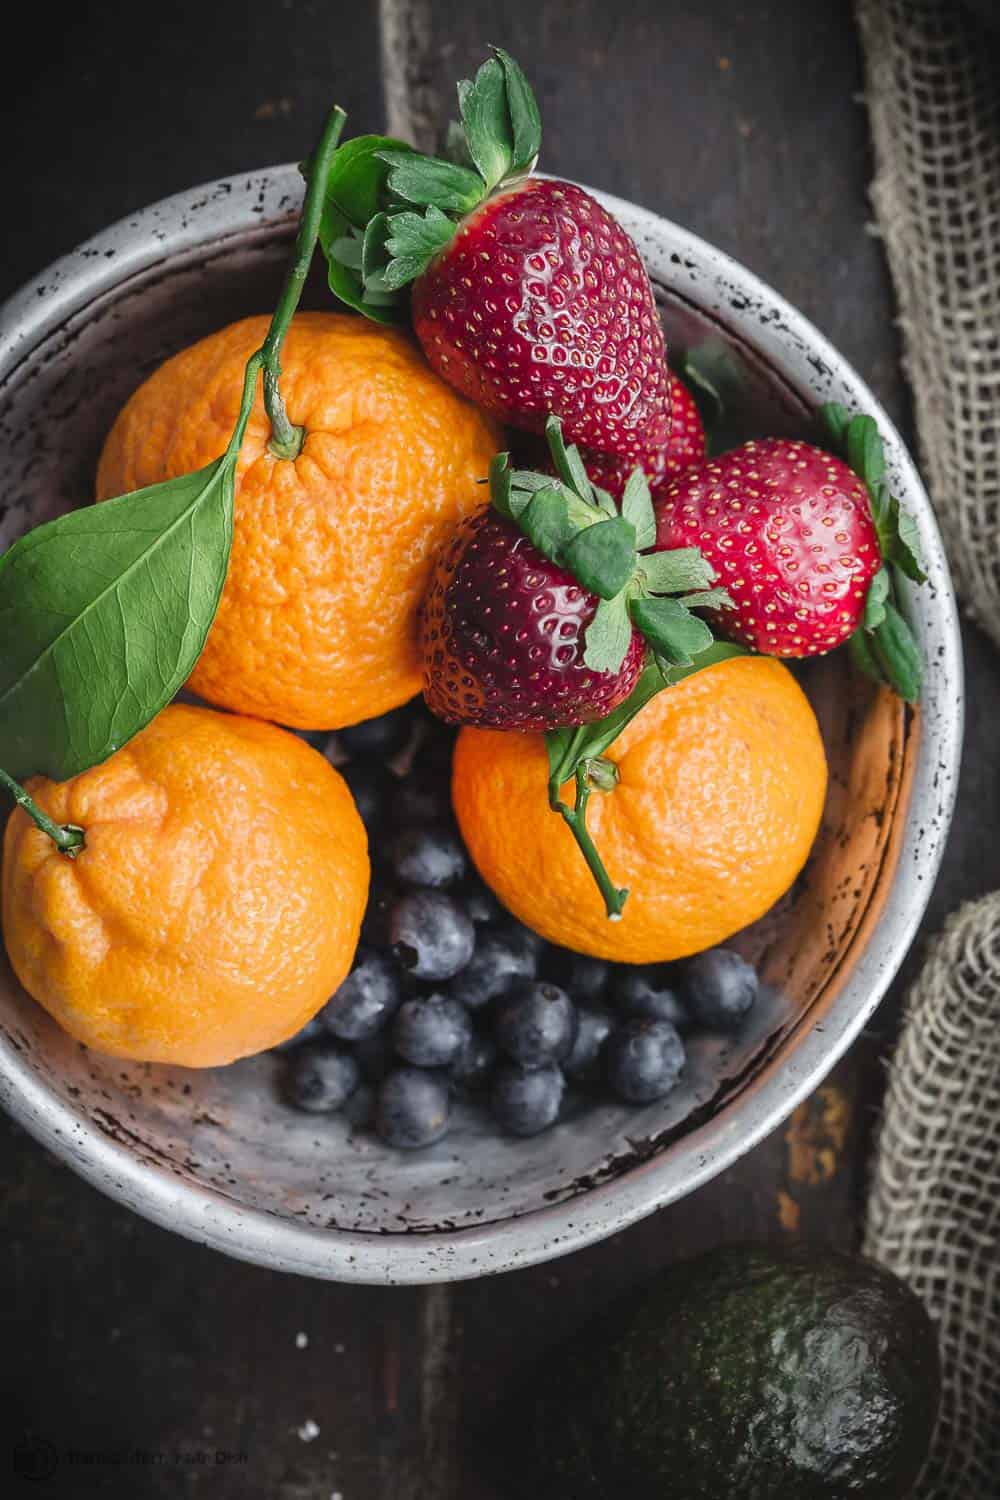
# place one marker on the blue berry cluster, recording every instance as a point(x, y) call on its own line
point(451, 996)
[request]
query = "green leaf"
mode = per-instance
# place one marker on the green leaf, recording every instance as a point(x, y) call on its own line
point(671, 629)
point(425, 180)
point(356, 181)
point(344, 279)
point(836, 419)
point(569, 748)
point(483, 106)
point(456, 147)
point(864, 451)
point(419, 235)
point(609, 635)
point(707, 599)
point(602, 557)
point(547, 523)
point(894, 647)
point(904, 547)
point(859, 649)
point(878, 593)
point(566, 460)
point(603, 500)
point(374, 254)
point(500, 484)
point(637, 507)
point(103, 614)
point(676, 571)
point(525, 120)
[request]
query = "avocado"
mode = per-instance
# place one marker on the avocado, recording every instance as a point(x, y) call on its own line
point(749, 1373)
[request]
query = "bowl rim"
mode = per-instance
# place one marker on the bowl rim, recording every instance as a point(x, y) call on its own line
point(208, 215)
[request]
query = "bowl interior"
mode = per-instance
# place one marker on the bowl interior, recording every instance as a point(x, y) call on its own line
point(223, 1129)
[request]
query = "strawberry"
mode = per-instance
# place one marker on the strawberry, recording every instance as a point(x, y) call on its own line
point(540, 608)
point(526, 294)
point(793, 535)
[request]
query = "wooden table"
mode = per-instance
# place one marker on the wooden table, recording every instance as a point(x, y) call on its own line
point(742, 121)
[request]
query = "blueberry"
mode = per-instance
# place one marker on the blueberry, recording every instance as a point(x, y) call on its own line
point(375, 1056)
point(430, 1030)
point(586, 1055)
point(431, 935)
point(536, 1024)
point(584, 979)
point(411, 1109)
point(642, 992)
point(382, 897)
point(526, 1100)
point(480, 902)
point(321, 1079)
point(644, 1059)
point(430, 854)
point(371, 787)
point(421, 797)
point(719, 987)
point(500, 959)
point(522, 937)
point(368, 997)
point(383, 737)
point(474, 1064)
point(310, 1032)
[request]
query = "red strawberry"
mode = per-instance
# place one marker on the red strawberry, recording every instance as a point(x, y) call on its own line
point(541, 304)
point(675, 442)
point(789, 531)
point(502, 636)
point(527, 296)
point(538, 606)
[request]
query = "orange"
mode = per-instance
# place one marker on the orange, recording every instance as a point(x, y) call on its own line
point(216, 902)
point(722, 780)
point(331, 550)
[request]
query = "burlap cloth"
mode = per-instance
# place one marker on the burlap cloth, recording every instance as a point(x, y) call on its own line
point(933, 93)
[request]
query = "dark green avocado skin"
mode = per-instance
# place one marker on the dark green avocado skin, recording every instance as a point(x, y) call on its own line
point(747, 1374)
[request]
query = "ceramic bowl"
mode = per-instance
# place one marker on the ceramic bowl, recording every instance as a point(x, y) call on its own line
point(213, 1154)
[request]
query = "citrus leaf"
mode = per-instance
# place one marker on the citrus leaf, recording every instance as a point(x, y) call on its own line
point(425, 179)
point(637, 507)
point(676, 571)
point(483, 106)
point(608, 636)
point(602, 557)
point(525, 120)
point(671, 629)
point(103, 614)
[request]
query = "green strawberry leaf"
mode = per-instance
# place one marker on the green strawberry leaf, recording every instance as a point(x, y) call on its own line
point(566, 460)
point(637, 507)
point(897, 654)
point(356, 182)
point(671, 629)
point(859, 648)
point(904, 543)
point(547, 523)
point(485, 116)
point(603, 500)
point(875, 602)
point(501, 485)
point(608, 636)
point(707, 599)
point(374, 254)
point(864, 451)
point(602, 557)
point(420, 236)
point(676, 571)
point(525, 120)
point(425, 180)
point(344, 252)
point(836, 419)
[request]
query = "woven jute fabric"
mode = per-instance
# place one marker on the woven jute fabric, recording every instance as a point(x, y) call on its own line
point(933, 94)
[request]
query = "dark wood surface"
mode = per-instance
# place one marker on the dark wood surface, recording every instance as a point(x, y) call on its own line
point(742, 121)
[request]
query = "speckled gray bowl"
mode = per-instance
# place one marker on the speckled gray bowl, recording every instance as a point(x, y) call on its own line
point(212, 1154)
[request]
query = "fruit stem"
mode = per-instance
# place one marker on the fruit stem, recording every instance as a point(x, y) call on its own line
point(67, 837)
point(286, 439)
point(576, 817)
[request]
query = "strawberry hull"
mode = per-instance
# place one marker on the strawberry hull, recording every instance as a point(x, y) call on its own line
point(541, 304)
point(502, 636)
